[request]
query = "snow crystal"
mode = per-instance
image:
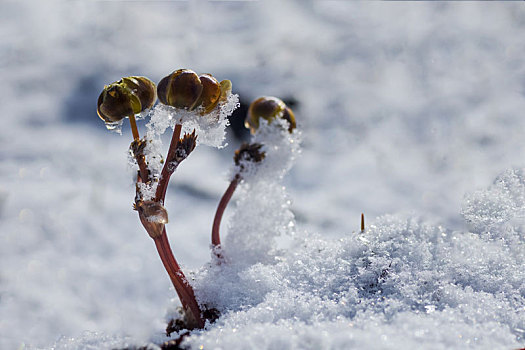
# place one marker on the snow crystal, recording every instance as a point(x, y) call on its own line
point(209, 128)
point(396, 118)
point(447, 289)
point(496, 210)
point(441, 288)
point(263, 204)
point(93, 341)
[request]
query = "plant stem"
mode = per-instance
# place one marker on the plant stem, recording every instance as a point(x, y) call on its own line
point(166, 172)
point(134, 128)
point(183, 288)
point(215, 236)
point(141, 161)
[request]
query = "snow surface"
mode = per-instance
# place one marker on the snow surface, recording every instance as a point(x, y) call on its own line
point(407, 112)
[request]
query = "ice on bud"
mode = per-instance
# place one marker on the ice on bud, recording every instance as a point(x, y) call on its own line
point(128, 96)
point(210, 129)
point(153, 211)
point(153, 216)
point(268, 108)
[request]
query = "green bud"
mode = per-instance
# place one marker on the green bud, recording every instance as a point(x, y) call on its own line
point(226, 89)
point(130, 95)
point(268, 108)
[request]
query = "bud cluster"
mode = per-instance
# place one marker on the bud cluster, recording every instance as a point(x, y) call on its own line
point(181, 89)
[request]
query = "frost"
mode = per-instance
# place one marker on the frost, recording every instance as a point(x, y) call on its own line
point(396, 118)
point(263, 205)
point(93, 341)
point(210, 128)
point(413, 284)
point(408, 274)
point(399, 284)
point(147, 191)
point(496, 210)
point(281, 149)
point(144, 114)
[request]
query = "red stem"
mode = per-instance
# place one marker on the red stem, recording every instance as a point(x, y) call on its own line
point(183, 288)
point(215, 236)
point(143, 168)
point(165, 174)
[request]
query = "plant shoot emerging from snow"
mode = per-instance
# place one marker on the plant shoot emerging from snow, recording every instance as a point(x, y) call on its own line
point(262, 110)
point(203, 104)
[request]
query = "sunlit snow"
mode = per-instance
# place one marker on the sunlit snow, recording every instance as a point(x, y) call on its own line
point(411, 113)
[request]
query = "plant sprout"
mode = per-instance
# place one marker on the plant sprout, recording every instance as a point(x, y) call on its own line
point(185, 90)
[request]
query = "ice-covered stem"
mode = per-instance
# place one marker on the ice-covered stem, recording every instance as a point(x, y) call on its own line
point(215, 235)
point(137, 150)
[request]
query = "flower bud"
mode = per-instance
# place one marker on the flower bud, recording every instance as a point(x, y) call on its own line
point(180, 89)
point(211, 92)
point(185, 89)
point(268, 108)
point(130, 95)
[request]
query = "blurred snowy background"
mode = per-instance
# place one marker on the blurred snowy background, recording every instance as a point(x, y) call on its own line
point(404, 109)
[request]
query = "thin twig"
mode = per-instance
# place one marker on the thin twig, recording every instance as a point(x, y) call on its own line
point(215, 235)
point(166, 172)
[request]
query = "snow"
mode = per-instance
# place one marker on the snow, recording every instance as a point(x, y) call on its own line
point(411, 113)
point(210, 128)
point(322, 293)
